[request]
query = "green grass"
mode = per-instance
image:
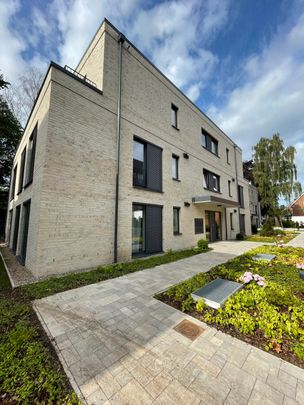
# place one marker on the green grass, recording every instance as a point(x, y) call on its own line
point(58, 284)
point(270, 317)
point(272, 239)
point(5, 283)
point(30, 372)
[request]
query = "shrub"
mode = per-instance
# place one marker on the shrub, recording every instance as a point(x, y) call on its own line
point(202, 245)
point(239, 236)
point(267, 228)
point(254, 229)
point(288, 223)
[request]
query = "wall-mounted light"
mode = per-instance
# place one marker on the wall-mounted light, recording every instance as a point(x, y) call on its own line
point(234, 210)
point(186, 204)
point(186, 156)
point(233, 180)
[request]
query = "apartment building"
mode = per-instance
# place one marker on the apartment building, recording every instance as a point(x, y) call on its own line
point(254, 206)
point(116, 162)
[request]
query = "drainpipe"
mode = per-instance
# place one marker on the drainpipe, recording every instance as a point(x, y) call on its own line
point(237, 183)
point(121, 40)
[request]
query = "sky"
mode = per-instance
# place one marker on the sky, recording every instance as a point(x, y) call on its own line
point(240, 61)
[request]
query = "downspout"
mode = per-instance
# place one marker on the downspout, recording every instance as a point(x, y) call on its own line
point(237, 184)
point(121, 40)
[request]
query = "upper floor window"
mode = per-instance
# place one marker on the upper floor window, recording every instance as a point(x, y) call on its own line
point(228, 156)
point(209, 143)
point(241, 196)
point(139, 163)
point(13, 186)
point(31, 158)
point(147, 165)
point(211, 181)
point(21, 172)
point(176, 229)
point(174, 112)
point(175, 170)
point(229, 188)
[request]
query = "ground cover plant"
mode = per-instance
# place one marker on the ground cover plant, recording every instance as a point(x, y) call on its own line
point(74, 280)
point(277, 237)
point(30, 372)
point(267, 312)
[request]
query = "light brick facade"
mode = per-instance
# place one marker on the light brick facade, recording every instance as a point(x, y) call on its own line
point(71, 224)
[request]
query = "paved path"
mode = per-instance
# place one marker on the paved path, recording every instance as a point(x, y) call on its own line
point(118, 346)
point(298, 241)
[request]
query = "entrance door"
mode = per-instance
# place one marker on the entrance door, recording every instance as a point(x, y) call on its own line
point(213, 226)
point(242, 224)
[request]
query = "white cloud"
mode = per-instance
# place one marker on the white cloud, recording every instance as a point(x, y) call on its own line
point(11, 45)
point(271, 99)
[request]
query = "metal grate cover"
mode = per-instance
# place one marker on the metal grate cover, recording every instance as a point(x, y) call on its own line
point(189, 329)
point(216, 293)
point(263, 256)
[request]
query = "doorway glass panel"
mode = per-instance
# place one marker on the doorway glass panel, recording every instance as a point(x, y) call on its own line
point(213, 225)
point(138, 231)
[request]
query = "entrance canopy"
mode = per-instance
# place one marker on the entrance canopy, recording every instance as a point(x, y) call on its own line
point(210, 199)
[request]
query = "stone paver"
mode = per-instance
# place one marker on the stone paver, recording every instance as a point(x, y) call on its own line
point(118, 346)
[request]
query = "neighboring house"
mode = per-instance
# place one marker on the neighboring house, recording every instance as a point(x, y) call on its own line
point(254, 206)
point(296, 209)
point(115, 162)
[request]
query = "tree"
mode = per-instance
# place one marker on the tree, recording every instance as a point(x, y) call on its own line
point(10, 134)
point(275, 173)
point(21, 96)
point(248, 170)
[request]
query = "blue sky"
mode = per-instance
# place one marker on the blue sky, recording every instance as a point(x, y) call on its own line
point(241, 61)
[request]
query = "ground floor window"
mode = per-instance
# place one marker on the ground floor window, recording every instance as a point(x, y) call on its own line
point(138, 229)
point(176, 211)
point(146, 229)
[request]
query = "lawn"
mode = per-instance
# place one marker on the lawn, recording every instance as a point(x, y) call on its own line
point(270, 317)
point(30, 372)
point(285, 237)
point(74, 280)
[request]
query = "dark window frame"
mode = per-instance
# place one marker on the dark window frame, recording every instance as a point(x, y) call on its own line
point(208, 181)
point(229, 188)
point(146, 186)
point(31, 158)
point(13, 186)
point(228, 156)
point(177, 210)
point(231, 221)
point(198, 226)
point(174, 110)
point(22, 171)
point(209, 139)
point(241, 196)
point(176, 159)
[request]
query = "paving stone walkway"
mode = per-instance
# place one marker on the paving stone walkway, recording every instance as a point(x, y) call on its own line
point(118, 346)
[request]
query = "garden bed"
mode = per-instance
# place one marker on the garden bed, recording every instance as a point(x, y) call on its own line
point(269, 317)
point(30, 371)
point(286, 237)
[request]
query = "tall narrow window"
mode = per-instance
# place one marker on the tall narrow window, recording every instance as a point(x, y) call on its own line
point(13, 187)
point(241, 196)
point(21, 173)
point(227, 156)
point(31, 158)
point(175, 173)
point(147, 165)
point(174, 111)
point(139, 163)
point(204, 139)
point(24, 231)
point(16, 229)
point(176, 220)
point(229, 188)
point(138, 229)
point(231, 221)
